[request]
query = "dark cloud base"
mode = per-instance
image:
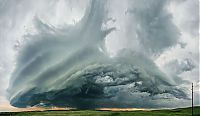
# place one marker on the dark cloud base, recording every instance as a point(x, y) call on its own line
point(102, 85)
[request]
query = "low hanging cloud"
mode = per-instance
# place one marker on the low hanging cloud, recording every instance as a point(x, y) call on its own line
point(70, 67)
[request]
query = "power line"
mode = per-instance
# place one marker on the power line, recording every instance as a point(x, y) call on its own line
point(192, 101)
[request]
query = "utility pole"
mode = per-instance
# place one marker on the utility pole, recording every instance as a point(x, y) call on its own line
point(192, 101)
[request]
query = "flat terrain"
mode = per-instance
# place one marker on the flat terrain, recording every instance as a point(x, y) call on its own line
point(172, 112)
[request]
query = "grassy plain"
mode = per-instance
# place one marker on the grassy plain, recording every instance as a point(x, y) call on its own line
point(164, 112)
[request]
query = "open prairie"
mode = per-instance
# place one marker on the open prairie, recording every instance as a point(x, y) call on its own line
point(165, 112)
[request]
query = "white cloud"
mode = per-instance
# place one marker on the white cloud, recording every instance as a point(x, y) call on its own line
point(16, 20)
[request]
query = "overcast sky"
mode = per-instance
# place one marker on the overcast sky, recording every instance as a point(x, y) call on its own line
point(165, 31)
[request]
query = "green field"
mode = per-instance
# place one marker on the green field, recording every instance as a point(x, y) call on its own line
point(173, 112)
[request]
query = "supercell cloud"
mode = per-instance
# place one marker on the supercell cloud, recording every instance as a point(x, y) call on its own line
point(70, 66)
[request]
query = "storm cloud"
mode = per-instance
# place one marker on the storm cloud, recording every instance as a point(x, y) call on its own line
point(70, 66)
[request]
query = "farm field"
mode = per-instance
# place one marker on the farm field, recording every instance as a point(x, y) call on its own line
point(165, 112)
